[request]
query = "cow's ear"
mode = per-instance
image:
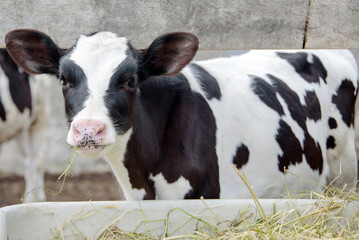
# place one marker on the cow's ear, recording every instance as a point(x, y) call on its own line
point(169, 53)
point(34, 51)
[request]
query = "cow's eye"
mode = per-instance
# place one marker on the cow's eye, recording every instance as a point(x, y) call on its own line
point(65, 84)
point(129, 84)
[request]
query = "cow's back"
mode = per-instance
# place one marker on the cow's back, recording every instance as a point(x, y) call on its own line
point(281, 110)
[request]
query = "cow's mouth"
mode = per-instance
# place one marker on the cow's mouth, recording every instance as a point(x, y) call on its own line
point(91, 147)
point(87, 143)
point(91, 151)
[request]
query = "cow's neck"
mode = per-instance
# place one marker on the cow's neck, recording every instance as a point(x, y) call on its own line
point(115, 158)
point(136, 154)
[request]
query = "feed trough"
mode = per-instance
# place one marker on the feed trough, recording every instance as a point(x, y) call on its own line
point(159, 219)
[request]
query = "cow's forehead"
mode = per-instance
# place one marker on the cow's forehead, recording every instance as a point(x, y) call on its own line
point(102, 40)
point(99, 53)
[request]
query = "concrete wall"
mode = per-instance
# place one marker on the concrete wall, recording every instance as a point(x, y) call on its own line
point(222, 24)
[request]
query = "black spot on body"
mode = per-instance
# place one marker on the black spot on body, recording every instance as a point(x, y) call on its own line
point(2, 111)
point(267, 94)
point(332, 123)
point(331, 142)
point(312, 106)
point(311, 72)
point(297, 111)
point(345, 101)
point(313, 153)
point(19, 84)
point(300, 113)
point(242, 156)
point(208, 83)
point(290, 145)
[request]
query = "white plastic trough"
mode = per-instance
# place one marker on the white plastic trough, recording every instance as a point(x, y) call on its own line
point(77, 219)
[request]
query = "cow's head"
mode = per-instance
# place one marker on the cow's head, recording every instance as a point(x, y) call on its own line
point(99, 77)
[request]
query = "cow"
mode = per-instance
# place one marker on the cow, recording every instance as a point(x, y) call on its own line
point(173, 129)
point(24, 113)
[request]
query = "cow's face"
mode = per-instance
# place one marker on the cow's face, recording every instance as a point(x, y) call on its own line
point(99, 78)
point(99, 82)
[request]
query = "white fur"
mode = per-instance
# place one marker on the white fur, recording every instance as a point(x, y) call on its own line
point(170, 191)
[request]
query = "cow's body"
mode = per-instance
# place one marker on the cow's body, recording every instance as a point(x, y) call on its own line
point(23, 117)
point(225, 118)
point(173, 135)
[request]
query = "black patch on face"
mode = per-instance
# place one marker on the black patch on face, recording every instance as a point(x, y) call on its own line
point(72, 72)
point(332, 123)
point(311, 72)
point(242, 156)
point(267, 94)
point(2, 111)
point(290, 145)
point(312, 106)
point(174, 135)
point(120, 98)
point(19, 85)
point(78, 93)
point(330, 142)
point(126, 70)
point(208, 83)
point(345, 101)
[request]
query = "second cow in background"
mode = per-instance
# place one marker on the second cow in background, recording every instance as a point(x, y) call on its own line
point(24, 113)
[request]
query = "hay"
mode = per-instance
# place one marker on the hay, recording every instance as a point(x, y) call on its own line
point(333, 214)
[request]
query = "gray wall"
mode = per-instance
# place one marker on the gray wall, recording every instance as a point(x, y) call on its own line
point(219, 24)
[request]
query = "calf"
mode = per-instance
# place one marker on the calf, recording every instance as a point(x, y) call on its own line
point(24, 117)
point(172, 129)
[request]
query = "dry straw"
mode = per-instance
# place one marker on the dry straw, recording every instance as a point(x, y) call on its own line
point(333, 215)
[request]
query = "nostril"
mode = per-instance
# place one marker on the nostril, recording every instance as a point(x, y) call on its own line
point(76, 130)
point(101, 133)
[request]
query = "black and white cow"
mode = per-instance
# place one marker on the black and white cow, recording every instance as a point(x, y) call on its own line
point(172, 129)
point(24, 109)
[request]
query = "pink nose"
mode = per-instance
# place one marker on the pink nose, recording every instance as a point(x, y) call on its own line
point(88, 132)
